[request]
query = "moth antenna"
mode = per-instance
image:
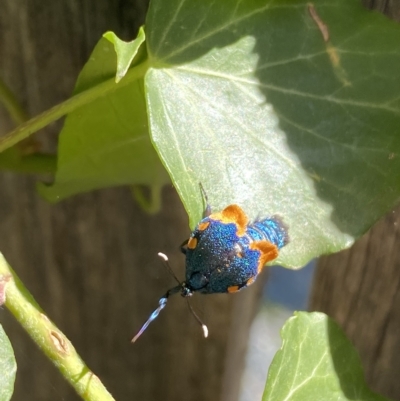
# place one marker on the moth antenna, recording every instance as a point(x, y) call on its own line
point(207, 209)
point(203, 326)
point(162, 302)
point(164, 257)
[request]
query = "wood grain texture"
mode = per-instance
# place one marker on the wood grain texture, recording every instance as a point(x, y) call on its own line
point(91, 261)
point(389, 7)
point(360, 288)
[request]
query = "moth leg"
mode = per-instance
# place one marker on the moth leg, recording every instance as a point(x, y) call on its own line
point(183, 246)
point(207, 209)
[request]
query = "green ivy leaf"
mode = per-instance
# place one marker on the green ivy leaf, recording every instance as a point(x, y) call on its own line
point(252, 101)
point(126, 51)
point(8, 367)
point(270, 105)
point(106, 142)
point(316, 362)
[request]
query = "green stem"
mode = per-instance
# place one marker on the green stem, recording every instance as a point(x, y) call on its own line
point(36, 123)
point(150, 204)
point(11, 103)
point(36, 163)
point(49, 338)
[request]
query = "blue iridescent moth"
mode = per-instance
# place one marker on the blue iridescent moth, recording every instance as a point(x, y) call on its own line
point(225, 253)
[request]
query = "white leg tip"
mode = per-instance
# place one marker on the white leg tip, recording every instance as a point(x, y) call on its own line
point(163, 256)
point(205, 330)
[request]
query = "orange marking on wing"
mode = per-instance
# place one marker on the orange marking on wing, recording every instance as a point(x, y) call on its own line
point(233, 288)
point(203, 226)
point(268, 252)
point(233, 214)
point(250, 281)
point(192, 243)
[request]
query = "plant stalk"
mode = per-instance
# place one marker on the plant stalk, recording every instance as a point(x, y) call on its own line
point(17, 113)
point(36, 123)
point(48, 337)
